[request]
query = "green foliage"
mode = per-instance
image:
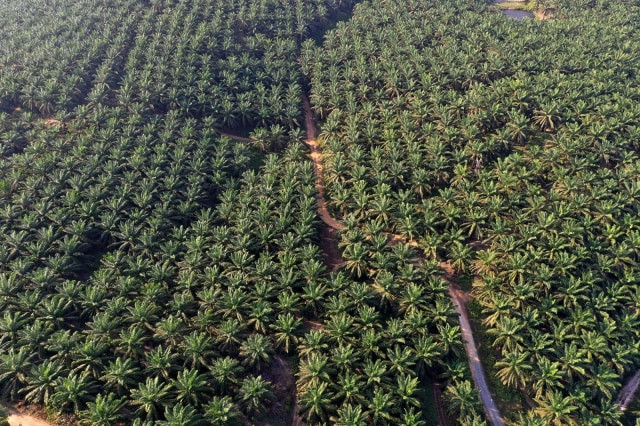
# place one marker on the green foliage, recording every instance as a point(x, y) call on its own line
point(506, 398)
point(145, 259)
point(154, 270)
point(507, 150)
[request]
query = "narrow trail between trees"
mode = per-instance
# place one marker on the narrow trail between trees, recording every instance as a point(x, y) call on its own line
point(316, 157)
point(443, 420)
point(628, 392)
point(457, 296)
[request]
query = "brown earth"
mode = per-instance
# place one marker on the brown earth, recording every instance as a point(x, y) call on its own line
point(50, 122)
point(24, 417)
point(236, 137)
point(280, 375)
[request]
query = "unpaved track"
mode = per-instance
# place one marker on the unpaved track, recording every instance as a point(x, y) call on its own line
point(457, 297)
point(443, 420)
point(316, 157)
point(477, 372)
point(628, 392)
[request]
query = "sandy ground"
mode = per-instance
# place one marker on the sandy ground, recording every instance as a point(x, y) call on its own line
point(16, 418)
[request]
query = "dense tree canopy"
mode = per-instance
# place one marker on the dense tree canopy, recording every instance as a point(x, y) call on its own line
point(161, 254)
point(509, 149)
point(152, 268)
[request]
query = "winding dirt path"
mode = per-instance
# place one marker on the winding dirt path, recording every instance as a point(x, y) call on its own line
point(316, 157)
point(628, 392)
point(457, 296)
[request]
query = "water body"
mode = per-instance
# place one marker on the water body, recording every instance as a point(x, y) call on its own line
point(515, 13)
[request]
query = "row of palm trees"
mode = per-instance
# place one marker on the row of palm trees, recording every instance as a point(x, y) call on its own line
point(235, 61)
point(507, 149)
point(198, 272)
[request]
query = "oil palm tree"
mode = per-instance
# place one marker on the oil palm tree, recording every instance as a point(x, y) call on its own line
point(105, 410)
point(255, 393)
point(150, 396)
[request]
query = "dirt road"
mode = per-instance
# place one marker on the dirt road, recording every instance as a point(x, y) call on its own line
point(316, 157)
point(493, 415)
point(490, 408)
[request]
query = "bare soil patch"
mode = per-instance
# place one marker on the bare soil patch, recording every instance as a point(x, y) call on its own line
point(280, 374)
point(51, 122)
point(235, 137)
point(26, 416)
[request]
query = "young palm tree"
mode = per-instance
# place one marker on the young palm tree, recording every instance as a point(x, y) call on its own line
point(221, 411)
point(105, 410)
point(514, 369)
point(42, 382)
point(197, 349)
point(316, 402)
point(14, 370)
point(256, 351)
point(462, 397)
point(150, 396)
point(286, 329)
point(350, 415)
point(191, 387)
point(182, 415)
point(73, 391)
point(556, 409)
point(255, 393)
point(226, 372)
point(313, 370)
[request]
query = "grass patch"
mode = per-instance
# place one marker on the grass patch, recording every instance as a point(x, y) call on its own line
point(508, 400)
point(528, 6)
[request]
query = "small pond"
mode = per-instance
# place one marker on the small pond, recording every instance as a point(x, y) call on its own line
point(514, 13)
point(517, 14)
